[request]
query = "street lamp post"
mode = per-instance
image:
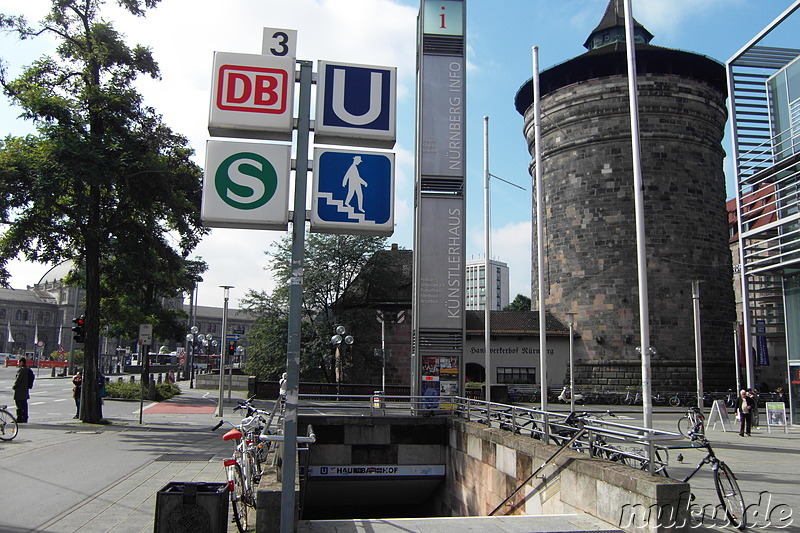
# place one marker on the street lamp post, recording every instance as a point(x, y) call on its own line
point(340, 336)
point(571, 363)
point(226, 289)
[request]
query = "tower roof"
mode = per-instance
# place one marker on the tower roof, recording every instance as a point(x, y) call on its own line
point(612, 28)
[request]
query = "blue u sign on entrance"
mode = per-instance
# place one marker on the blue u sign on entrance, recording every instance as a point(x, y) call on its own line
point(356, 105)
point(353, 192)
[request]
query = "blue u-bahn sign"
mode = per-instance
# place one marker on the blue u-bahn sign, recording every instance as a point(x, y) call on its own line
point(356, 105)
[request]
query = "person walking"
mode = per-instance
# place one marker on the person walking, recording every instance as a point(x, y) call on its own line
point(744, 412)
point(77, 381)
point(23, 383)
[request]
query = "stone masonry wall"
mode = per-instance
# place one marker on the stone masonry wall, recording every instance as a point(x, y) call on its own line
point(590, 229)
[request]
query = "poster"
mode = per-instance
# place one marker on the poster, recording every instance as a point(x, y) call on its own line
point(776, 414)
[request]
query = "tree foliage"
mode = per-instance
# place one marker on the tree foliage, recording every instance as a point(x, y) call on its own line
point(331, 263)
point(104, 182)
point(520, 303)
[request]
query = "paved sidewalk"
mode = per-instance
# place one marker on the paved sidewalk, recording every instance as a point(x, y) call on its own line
point(133, 462)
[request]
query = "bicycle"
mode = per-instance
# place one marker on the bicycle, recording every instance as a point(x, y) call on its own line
point(8, 424)
point(692, 422)
point(675, 401)
point(241, 468)
point(728, 492)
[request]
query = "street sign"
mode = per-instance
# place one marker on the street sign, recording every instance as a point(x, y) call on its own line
point(246, 185)
point(353, 192)
point(233, 337)
point(279, 42)
point(145, 333)
point(356, 105)
point(252, 96)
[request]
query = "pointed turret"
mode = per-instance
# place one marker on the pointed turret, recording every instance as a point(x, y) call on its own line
point(612, 28)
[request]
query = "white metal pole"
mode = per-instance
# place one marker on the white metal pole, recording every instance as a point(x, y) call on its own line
point(641, 249)
point(698, 344)
point(571, 364)
point(383, 355)
point(487, 331)
point(537, 136)
point(226, 289)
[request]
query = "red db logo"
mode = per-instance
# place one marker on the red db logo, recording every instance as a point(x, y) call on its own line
point(252, 89)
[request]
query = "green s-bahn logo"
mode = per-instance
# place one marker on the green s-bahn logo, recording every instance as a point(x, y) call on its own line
point(246, 180)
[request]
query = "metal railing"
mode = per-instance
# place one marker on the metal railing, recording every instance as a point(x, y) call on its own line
point(602, 437)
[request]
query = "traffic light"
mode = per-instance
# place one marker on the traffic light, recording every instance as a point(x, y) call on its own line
point(79, 328)
point(231, 347)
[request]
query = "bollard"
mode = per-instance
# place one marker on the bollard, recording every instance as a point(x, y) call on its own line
point(133, 379)
point(160, 379)
point(151, 391)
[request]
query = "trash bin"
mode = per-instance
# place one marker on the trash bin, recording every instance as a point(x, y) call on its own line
point(192, 507)
point(377, 400)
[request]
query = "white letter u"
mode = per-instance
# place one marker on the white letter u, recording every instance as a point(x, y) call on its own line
point(374, 99)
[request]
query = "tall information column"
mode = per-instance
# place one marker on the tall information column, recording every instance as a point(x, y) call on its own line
point(439, 210)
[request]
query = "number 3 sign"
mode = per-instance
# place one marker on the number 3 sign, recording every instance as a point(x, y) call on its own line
point(279, 43)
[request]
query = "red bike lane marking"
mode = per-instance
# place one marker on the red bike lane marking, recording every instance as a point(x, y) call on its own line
point(181, 408)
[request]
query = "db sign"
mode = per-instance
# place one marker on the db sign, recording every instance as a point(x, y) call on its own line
point(246, 185)
point(356, 105)
point(252, 96)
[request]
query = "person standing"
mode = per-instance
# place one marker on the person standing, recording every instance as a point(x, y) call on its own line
point(744, 411)
point(77, 381)
point(22, 385)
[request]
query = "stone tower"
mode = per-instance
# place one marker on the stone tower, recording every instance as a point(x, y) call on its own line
point(590, 240)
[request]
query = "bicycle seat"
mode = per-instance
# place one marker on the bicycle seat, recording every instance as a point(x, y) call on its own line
point(232, 434)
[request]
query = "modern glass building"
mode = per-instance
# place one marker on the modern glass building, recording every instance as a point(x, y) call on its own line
point(764, 84)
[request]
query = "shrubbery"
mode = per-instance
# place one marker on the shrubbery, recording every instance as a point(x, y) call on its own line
point(133, 391)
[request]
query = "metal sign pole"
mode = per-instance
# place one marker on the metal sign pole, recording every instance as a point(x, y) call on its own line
point(295, 302)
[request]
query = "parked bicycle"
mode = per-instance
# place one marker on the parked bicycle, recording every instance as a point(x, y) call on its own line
point(675, 401)
point(8, 424)
point(728, 492)
point(243, 469)
point(693, 422)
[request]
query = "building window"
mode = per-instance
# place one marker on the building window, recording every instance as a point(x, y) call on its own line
point(2, 314)
point(516, 375)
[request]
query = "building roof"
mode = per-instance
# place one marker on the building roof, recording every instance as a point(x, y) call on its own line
point(612, 60)
point(25, 296)
point(384, 283)
point(614, 18)
point(513, 323)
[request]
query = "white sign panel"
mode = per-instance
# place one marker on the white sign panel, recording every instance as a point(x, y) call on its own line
point(356, 105)
point(353, 192)
point(246, 185)
point(252, 96)
point(145, 333)
point(279, 42)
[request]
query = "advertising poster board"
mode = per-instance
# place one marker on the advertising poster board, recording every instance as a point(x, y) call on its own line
point(776, 416)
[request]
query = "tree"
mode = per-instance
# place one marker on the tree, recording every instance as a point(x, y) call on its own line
point(520, 303)
point(331, 263)
point(104, 175)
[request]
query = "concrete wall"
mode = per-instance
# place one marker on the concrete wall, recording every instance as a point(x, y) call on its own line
point(240, 382)
point(485, 465)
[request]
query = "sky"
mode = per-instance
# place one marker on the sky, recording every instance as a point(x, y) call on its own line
point(183, 35)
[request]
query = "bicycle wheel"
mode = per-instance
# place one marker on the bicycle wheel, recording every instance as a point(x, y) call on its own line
point(684, 426)
point(729, 495)
point(8, 425)
point(674, 401)
point(238, 496)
